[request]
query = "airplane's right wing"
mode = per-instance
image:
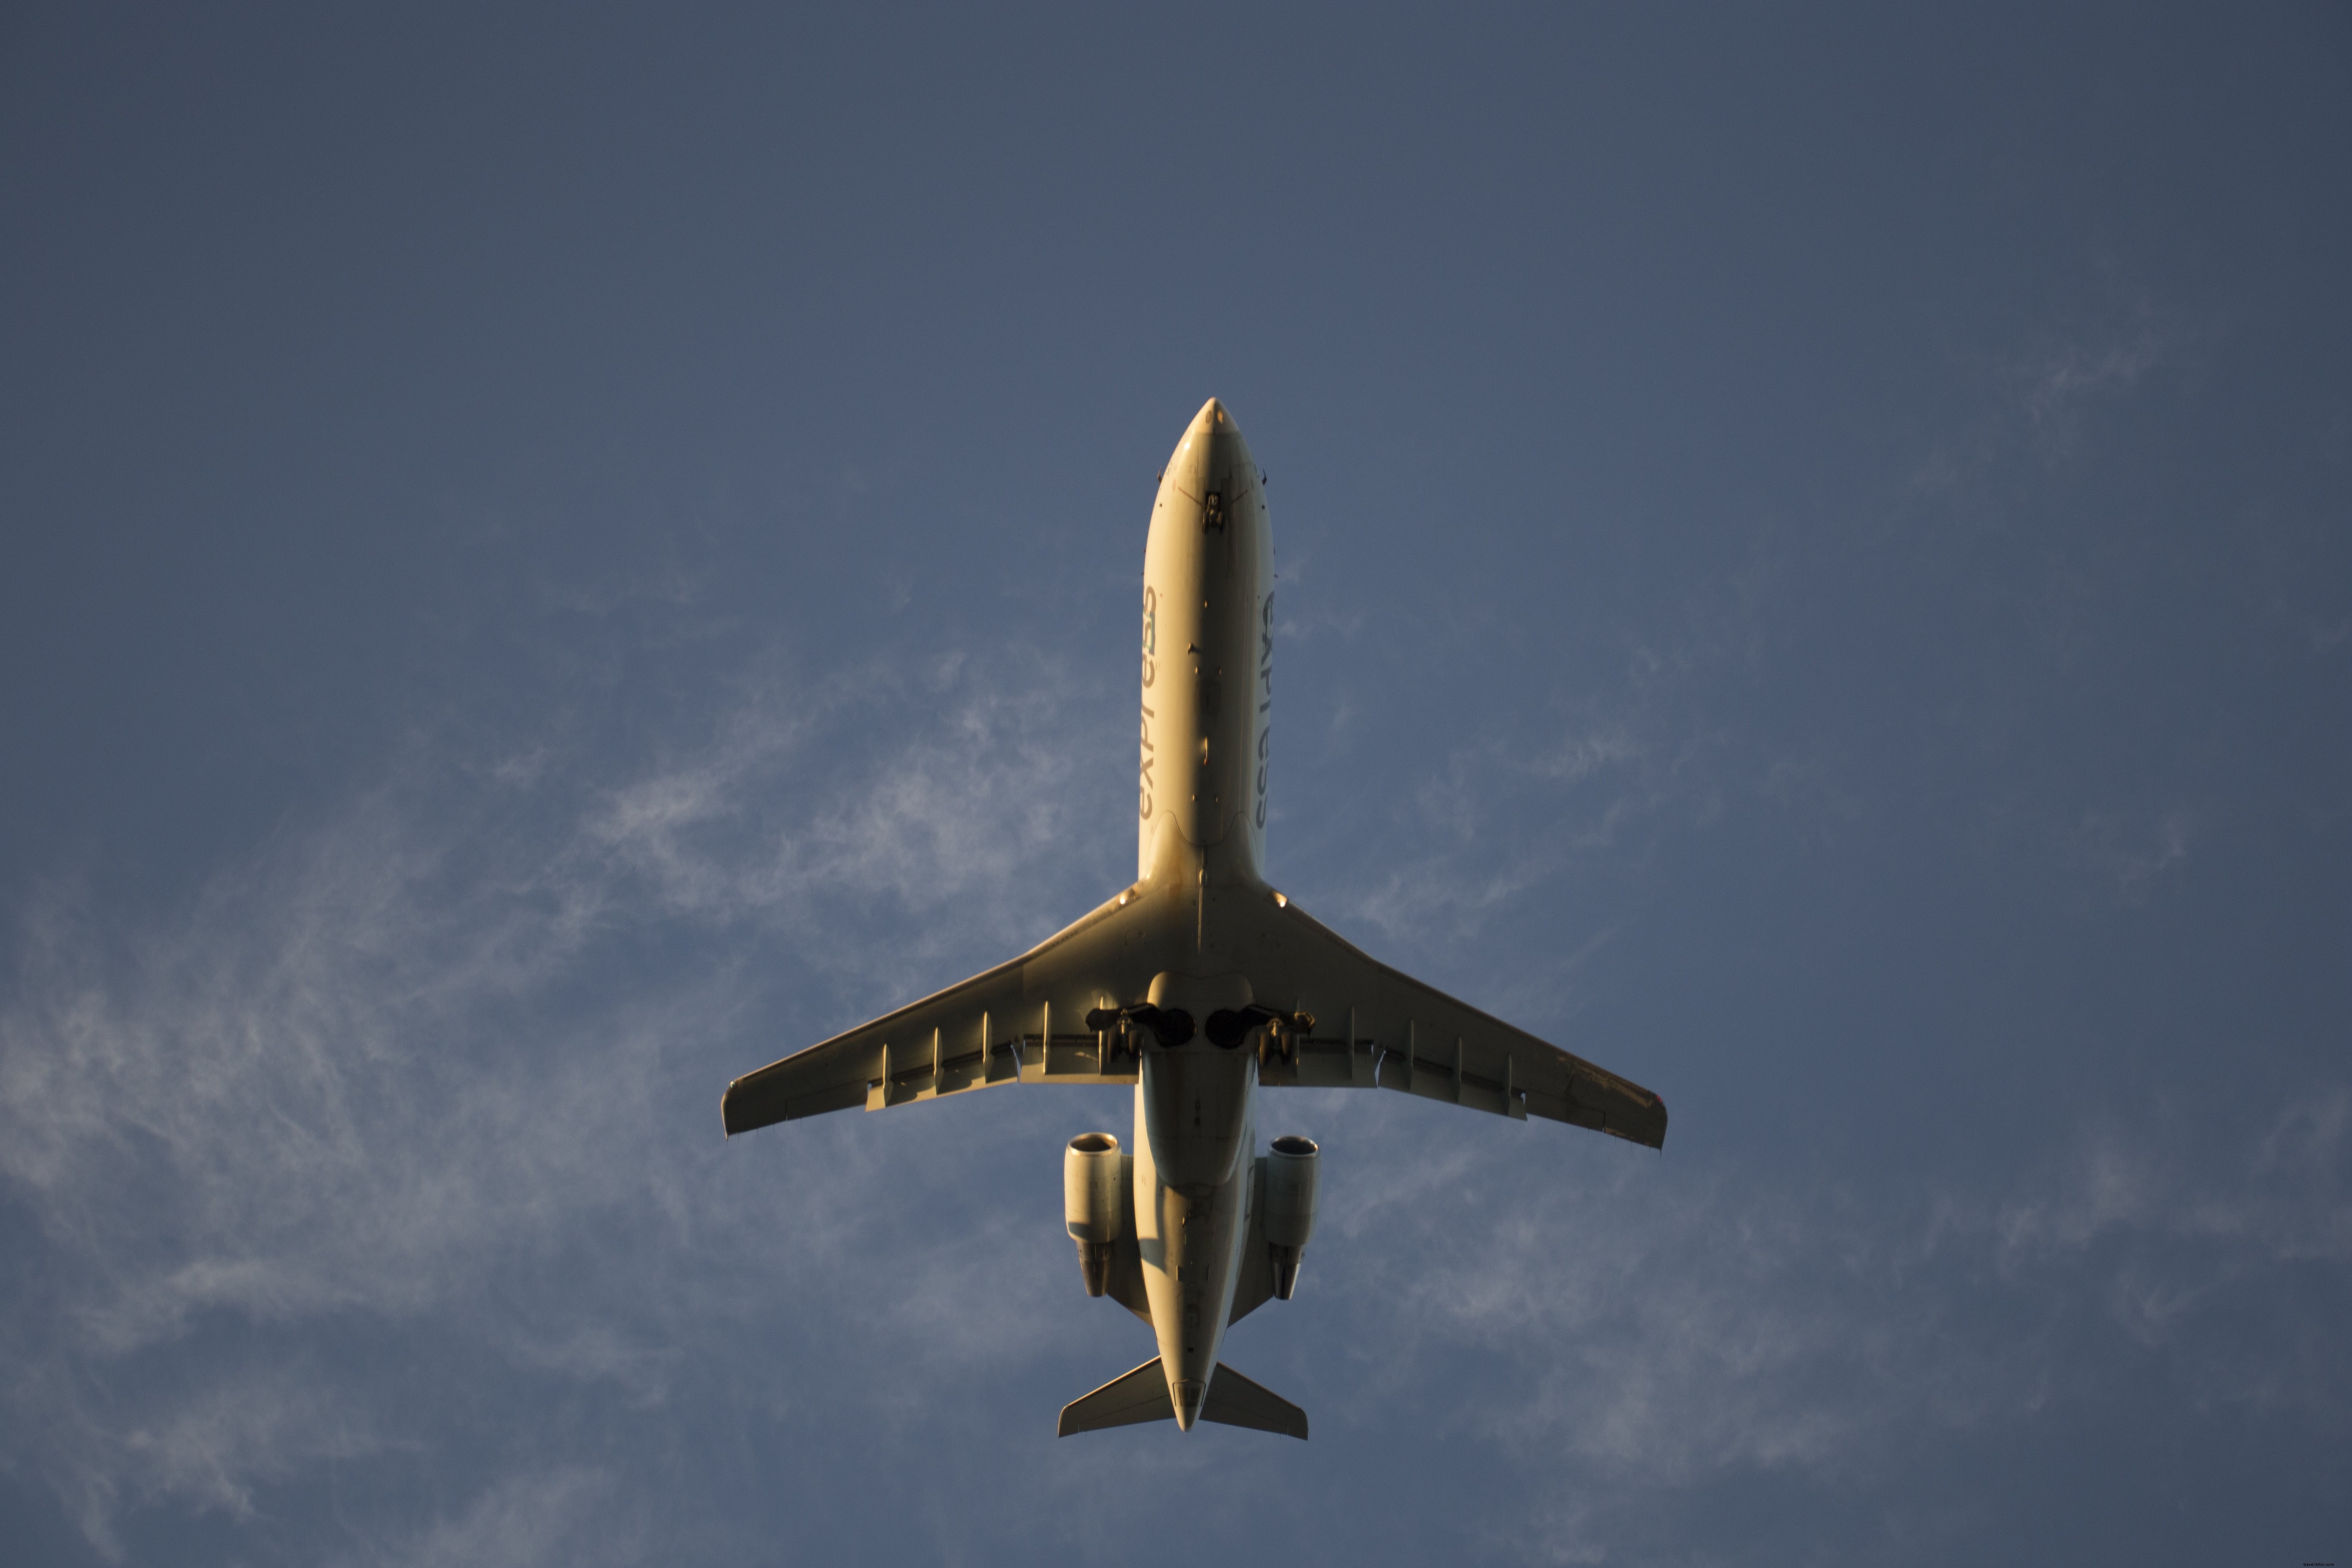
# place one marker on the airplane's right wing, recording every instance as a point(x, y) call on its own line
point(1374, 1025)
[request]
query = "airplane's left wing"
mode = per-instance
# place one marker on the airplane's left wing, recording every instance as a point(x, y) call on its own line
point(1022, 1021)
point(1375, 1025)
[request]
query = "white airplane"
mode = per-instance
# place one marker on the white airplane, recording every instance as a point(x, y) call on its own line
point(1199, 984)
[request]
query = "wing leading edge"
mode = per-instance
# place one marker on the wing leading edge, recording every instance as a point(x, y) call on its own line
point(1374, 1025)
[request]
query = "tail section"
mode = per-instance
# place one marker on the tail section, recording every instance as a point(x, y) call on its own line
point(1142, 1396)
point(1235, 1401)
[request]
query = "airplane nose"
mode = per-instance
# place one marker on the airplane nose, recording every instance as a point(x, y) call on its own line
point(1210, 447)
point(1189, 1395)
point(1213, 426)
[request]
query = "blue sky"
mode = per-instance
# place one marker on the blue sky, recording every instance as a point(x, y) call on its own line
point(555, 556)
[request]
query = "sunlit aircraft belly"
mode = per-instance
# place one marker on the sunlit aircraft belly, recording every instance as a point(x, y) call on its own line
point(1208, 657)
point(1206, 736)
point(1190, 1235)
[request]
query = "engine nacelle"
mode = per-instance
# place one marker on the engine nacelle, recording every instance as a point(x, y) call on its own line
point(1289, 1218)
point(1093, 1203)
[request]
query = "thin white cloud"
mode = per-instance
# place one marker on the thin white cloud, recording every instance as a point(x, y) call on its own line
point(2055, 386)
point(351, 1089)
point(2046, 391)
point(373, 1104)
point(2131, 853)
point(563, 1515)
point(1659, 1328)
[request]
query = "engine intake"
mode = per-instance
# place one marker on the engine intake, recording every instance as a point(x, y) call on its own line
point(1093, 1203)
point(1289, 1222)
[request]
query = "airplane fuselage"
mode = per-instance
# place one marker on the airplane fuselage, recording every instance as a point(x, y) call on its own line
point(1207, 707)
point(1208, 657)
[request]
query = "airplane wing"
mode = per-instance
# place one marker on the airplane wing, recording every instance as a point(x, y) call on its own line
point(1373, 1025)
point(1022, 1021)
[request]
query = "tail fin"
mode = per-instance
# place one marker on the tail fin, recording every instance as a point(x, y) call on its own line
point(1142, 1396)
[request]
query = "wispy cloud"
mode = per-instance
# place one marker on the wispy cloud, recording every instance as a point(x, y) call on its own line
point(1660, 1326)
point(561, 1515)
point(403, 1070)
point(2130, 856)
point(2043, 394)
point(392, 1154)
point(2055, 386)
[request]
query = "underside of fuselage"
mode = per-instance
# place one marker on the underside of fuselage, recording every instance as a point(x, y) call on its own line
point(1205, 739)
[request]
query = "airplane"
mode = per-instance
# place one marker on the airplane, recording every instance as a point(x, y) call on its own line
point(1199, 984)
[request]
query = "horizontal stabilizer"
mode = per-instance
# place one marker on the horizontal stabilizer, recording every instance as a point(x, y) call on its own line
point(1235, 1401)
point(1142, 1396)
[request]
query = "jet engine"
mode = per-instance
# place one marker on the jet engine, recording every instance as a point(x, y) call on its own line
point(1093, 1203)
point(1289, 1209)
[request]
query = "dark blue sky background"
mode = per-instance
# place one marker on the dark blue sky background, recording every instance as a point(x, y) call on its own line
point(553, 556)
